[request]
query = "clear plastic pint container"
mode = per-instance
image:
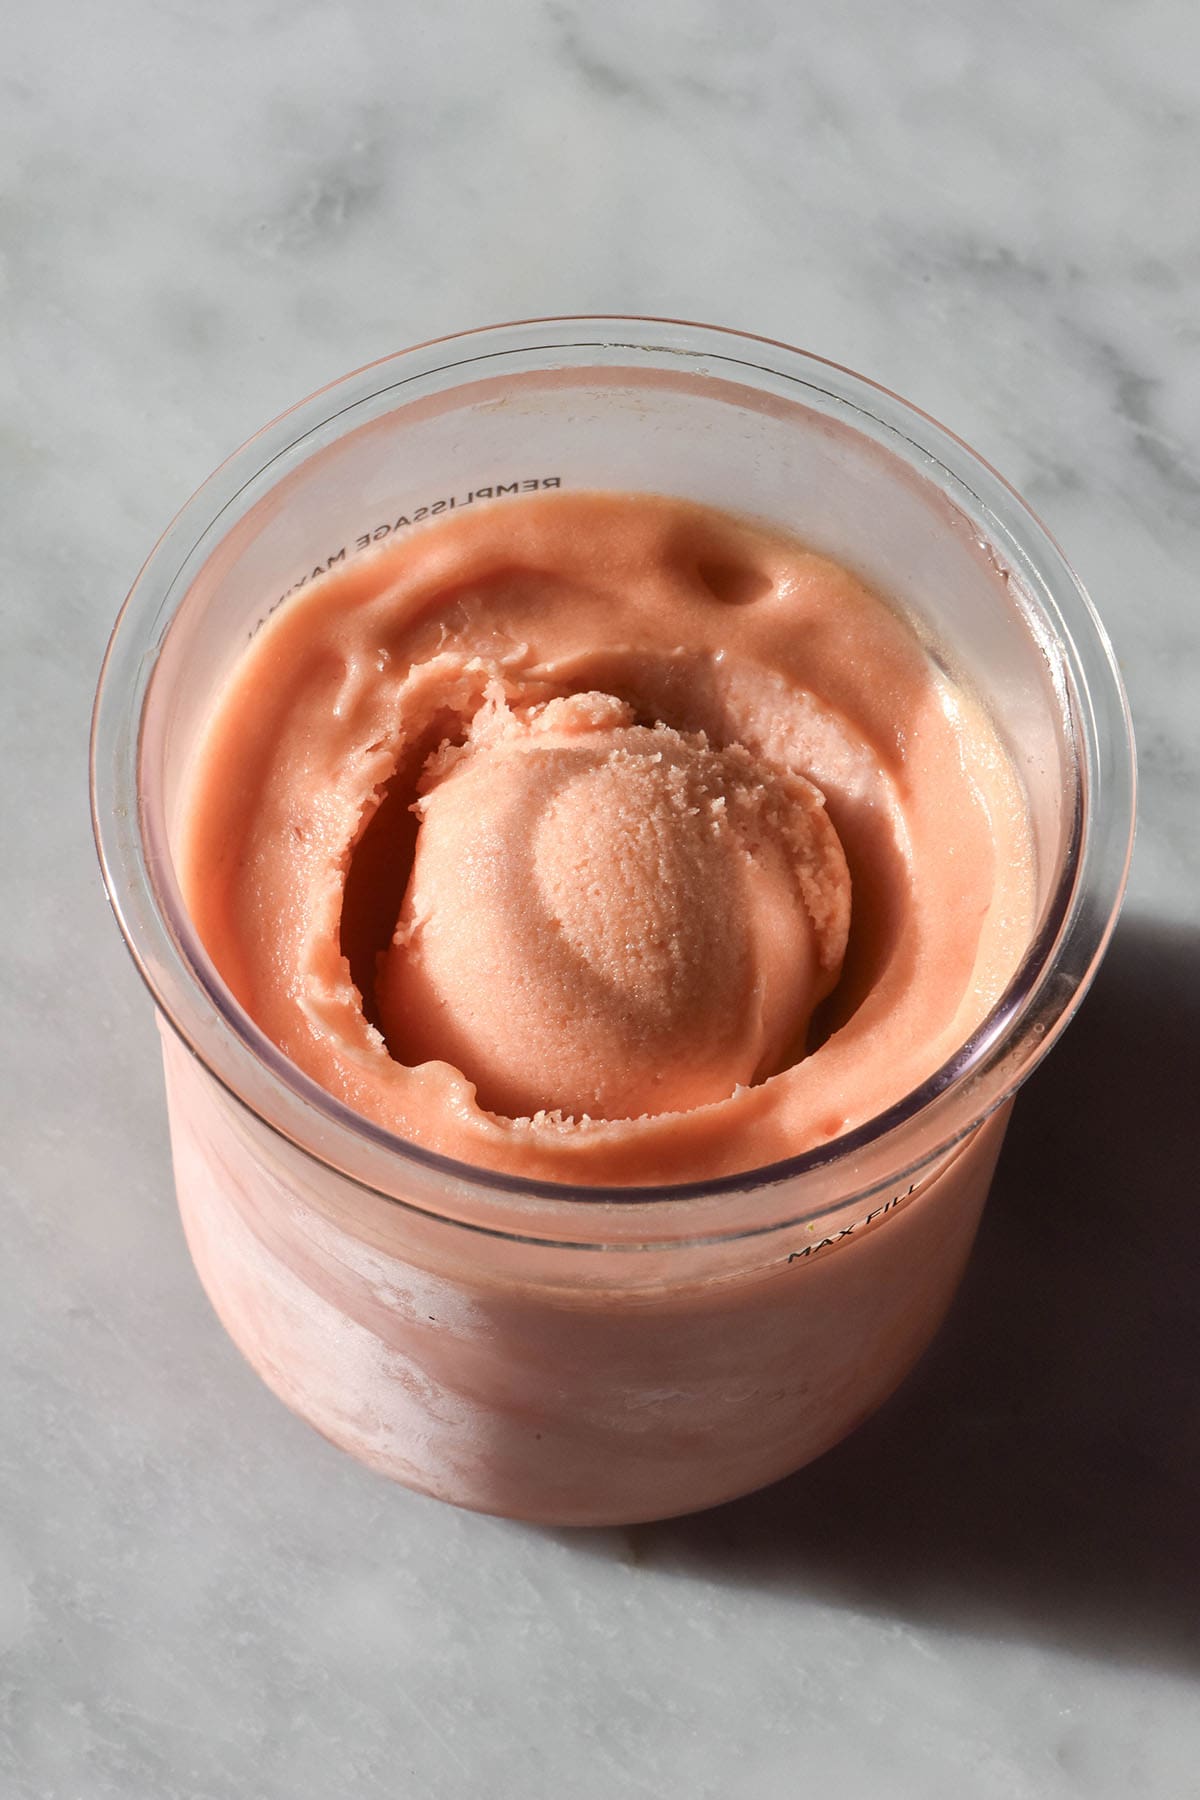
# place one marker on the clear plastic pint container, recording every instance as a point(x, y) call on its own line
point(599, 1355)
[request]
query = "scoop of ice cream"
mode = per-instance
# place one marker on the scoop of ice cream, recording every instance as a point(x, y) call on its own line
point(610, 919)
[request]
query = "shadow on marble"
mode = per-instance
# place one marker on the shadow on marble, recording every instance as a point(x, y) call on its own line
point(1039, 1475)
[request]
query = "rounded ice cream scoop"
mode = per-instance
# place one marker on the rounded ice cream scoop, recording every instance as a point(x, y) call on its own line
point(611, 919)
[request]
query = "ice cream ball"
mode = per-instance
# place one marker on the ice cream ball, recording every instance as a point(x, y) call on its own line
point(608, 918)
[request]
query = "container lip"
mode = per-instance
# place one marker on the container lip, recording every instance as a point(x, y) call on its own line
point(1000, 1053)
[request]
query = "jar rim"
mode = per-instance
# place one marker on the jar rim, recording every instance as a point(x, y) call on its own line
point(984, 1071)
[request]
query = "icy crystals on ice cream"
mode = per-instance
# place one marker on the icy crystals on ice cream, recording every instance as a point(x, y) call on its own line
point(609, 919)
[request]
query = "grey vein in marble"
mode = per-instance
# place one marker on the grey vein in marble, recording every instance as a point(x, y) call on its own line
point(206, 212)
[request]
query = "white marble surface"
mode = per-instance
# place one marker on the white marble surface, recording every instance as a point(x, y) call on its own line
point(209, 209)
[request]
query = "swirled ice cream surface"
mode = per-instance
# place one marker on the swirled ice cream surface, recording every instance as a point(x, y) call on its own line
point(605, 838)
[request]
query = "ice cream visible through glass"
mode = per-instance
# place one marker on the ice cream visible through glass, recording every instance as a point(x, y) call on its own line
point(609, 812)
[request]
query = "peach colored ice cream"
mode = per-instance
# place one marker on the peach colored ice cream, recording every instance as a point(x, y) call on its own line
point(600, 839)
point(603, 838)
point(609, 919)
